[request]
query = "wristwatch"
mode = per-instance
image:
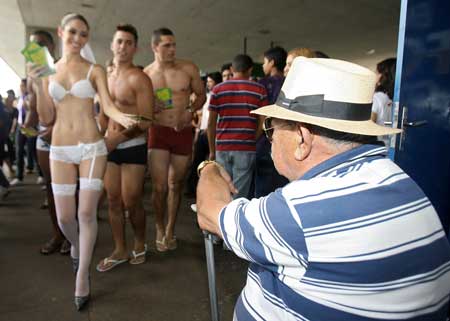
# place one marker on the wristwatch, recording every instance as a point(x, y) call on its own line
point(203, 164)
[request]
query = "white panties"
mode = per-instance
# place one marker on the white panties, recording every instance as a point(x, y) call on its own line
point(74, 154)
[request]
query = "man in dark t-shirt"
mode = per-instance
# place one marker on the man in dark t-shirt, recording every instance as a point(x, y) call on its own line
point(267, 178)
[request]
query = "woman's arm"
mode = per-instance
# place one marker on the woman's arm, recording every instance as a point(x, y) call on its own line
point(44, 103)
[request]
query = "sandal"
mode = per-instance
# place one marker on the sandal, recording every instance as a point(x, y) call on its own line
point(138, 258)
point(107, 264)
point(161, 245)
point(50, 247)
point(65, 247)
point(172, 243)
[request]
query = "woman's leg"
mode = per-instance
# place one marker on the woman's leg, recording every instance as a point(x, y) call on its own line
point(91, 186)
point(64, 179)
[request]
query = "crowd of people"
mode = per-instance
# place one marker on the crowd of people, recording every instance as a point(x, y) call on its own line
point(292, 175)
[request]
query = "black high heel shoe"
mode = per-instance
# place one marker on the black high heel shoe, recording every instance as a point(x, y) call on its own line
point(82, 301)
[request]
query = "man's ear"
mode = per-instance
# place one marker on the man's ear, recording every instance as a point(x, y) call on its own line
point(304, 140)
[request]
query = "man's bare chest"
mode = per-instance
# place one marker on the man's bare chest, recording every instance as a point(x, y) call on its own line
point(122, 93)
point(177, 80)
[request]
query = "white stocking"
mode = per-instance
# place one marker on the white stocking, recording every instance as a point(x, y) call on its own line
point(87, 219)
point(64, 196)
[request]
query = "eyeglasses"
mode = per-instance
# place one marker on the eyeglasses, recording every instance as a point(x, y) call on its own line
point(268, 131)
point(268, 128)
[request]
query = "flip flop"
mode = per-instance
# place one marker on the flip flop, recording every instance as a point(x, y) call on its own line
point(161, 245)
point(138, 258)
point(172, 243)
point(107, 264)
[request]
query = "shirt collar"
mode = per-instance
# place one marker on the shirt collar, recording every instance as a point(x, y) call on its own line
point(364, 151)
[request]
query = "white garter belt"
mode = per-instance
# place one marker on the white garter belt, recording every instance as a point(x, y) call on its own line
point(132, 142)
point(42, 145)
point(93, 184)
point(74, 154)
point(64, 189)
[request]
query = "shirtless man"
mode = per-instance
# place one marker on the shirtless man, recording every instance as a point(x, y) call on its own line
point(132, 92)
point(58, 242)
point(170, 137)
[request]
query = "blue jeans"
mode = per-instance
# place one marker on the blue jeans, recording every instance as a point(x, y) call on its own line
point(240, 165)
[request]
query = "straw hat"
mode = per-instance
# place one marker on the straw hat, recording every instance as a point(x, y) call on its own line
point(330, 93)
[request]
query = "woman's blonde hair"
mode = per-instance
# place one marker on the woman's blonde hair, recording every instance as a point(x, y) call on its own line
point(73, 16)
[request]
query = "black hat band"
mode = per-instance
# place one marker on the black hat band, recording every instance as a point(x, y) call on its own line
point(316, 105)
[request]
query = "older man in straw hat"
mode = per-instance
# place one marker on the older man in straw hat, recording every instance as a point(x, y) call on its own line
point(351, 237)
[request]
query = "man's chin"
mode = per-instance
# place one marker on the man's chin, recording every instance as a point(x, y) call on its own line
point(123, 60)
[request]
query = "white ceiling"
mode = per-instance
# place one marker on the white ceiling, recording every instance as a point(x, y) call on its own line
point(12, 36)
point(211, 32)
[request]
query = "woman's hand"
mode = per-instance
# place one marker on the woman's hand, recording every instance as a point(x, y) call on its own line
point(185, 121)
point(35, 72)
point(111, 141)
point(126, 120)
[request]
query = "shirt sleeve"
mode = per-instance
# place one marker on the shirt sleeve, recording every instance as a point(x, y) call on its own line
point(264, 231)
point(376, 105)
point(213, 102)
point(264, 99)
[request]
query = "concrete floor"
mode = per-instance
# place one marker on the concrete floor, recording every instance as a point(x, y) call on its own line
point(169, 286)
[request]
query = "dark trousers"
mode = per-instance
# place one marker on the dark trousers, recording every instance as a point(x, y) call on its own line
point(3, 181)
point(31, 149)
point(267, 178)
point(23, 142)
point(201, 152)
point(11, 150)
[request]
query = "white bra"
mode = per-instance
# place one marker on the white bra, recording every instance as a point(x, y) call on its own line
point(81, 89)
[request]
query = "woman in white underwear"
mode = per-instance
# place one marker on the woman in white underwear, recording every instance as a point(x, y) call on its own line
point(77, 152)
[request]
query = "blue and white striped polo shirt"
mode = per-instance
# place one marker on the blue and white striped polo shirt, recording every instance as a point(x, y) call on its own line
point(354, 239)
